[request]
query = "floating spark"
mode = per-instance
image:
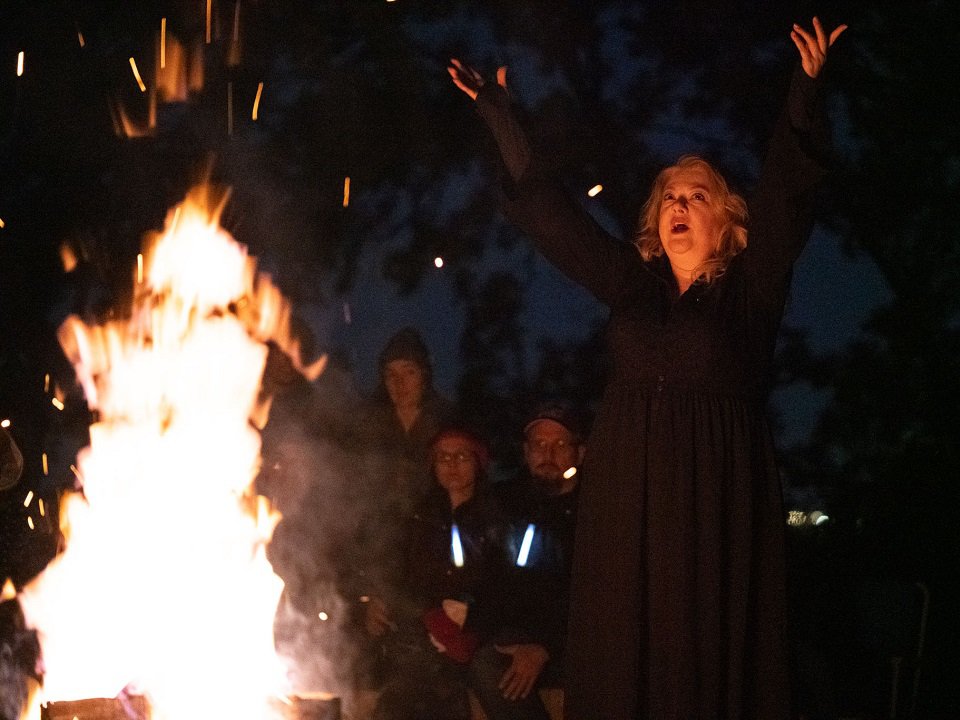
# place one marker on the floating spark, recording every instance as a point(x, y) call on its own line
point(256, 100)
point(208, 35)
point(136, 74)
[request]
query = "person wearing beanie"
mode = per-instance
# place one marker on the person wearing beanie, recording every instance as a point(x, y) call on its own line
point(404, 416)
point(453, 554)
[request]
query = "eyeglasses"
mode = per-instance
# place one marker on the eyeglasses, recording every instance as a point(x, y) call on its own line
point(458, 457)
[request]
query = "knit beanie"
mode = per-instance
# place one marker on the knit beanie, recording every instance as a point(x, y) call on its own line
point(406, 344)
point(478, 446)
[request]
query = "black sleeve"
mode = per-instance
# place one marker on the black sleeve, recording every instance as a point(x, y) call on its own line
point(540, 206)
point(782, 207)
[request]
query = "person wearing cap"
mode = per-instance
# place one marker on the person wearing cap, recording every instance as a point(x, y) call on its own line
point(526, 652)
point(453, 551)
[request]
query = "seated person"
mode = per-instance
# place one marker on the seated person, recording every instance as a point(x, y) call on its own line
point(531, 617)
point(430, 630)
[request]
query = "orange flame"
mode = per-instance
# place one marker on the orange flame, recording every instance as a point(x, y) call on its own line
point(164, 586)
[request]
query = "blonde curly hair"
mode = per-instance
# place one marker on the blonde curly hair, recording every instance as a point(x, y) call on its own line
point(729, 207)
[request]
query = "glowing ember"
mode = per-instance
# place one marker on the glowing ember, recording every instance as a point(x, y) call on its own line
point(136, 74)
point(68, 257)
point(208, 35)
point(346, 191)
point(595, 190)
point(164, 589)
point(256, 101)
point(163, 43)
point(20, 63)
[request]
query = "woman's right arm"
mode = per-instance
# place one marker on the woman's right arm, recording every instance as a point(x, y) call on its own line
point(538, 204)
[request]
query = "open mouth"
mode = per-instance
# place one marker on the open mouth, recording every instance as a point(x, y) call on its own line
point(679, 227)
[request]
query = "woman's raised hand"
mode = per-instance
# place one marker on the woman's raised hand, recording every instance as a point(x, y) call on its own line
point(813, 47)
point(469, 80)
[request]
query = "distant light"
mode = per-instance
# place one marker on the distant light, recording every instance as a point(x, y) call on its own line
point(5, 423)
point(595, 190)
point(136, 74)
point(56, 403)
point(438, 261)
point(323, 616)
point(455, 546)
point(524, 553)
point(569, 473)
point(20, 63)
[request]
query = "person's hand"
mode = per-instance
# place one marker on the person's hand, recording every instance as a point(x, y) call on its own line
point(813, 47)
point(469, 80)
point(377, 618)
point(521, 677)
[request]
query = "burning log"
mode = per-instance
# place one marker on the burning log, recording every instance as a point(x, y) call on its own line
point(127, 707)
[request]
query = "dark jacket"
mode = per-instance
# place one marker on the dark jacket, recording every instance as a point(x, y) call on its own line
point(431, 573)
point(535, 604)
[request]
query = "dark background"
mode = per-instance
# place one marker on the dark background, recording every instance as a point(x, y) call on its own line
point(867, 388)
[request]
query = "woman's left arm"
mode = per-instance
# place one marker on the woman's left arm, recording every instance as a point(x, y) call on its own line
point(795, 164)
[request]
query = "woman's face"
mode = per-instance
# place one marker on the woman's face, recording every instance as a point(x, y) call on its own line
point(455, 465)
point(689, 223)
point(405, 383)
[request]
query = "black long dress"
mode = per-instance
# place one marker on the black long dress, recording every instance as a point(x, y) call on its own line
point(678, 592)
